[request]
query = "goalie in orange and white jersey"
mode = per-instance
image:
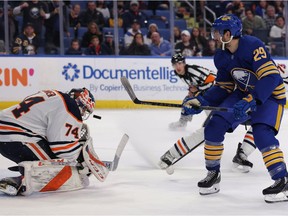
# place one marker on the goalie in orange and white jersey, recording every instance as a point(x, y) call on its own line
point(45, 135)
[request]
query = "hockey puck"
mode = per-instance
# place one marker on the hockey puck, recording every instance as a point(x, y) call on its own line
point(170, 170)
point(97, 117)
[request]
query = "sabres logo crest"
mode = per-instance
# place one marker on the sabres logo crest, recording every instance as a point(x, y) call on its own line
point(244, 78)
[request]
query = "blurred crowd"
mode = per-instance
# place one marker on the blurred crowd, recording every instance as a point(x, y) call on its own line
point(87, 27)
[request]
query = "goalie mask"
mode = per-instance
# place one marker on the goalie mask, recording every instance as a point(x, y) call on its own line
point(228, 22)
point(85, 101)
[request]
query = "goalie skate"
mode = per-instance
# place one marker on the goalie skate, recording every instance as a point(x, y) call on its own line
point(278, 192)
point(210, 184)
point(240, 162)
point(10, 186)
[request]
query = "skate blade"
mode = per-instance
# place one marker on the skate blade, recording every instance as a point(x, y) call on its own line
point(211, 190)
point(9, 190)
point(280, 197)
point(241, 168)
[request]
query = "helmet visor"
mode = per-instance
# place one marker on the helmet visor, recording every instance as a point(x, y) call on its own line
point(215, 34)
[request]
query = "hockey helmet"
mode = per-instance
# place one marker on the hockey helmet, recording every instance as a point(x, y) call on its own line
point(178, 57)
point(84, 99)
point(228, 22)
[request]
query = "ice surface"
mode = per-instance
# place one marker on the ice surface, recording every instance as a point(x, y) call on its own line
point(138, 187)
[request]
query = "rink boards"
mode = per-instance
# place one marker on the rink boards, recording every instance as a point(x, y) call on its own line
point(151, 78)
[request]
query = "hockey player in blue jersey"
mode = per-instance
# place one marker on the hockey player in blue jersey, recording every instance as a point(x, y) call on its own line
point(247, 80)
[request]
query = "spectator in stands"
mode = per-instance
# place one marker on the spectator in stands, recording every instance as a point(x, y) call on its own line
point(152, 28)
point(270, 17)
point(34, 12)
point(158, 5)
point(92, 30)
point(261, 8)
point(109, 42)
point(210, 49)
point(52, 33)
point(177, 34)
point(96, 48)
point(198, 39)
point(184, 13)
point(75, 19)
point(102, 7)
point(92, 15)
point(2, 48)
point(186, 47)
point(158, 47)
point(27, 42)
point(137, 47)
point(134, 13)
point(278, 30)
point(129, 35)
point(51, 49)
point(12, 26)
point(279, 7)
point(251, 22)
point(74, 48)
point(277, 49)
point(120, 11)
point(236, 7)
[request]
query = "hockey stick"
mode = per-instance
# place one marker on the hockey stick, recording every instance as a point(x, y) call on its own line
point(112, 165)
point(133, 97)
point(192, 149)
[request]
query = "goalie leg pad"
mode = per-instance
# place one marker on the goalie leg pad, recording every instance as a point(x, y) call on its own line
point(47, 176)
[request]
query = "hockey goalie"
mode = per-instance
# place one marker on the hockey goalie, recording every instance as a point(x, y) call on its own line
point(47, 139)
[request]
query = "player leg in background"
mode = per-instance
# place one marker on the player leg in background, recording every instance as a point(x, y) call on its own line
point(183, 146)
point(181, 124)
point(244, 149)
point(18, 152)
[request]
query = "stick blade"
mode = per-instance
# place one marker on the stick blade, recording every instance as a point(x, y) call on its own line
point(119, 151)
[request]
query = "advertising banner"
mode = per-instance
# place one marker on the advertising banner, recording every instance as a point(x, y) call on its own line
point(152, 78)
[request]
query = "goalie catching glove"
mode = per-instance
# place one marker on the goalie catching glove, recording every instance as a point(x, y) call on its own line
point(191, 105)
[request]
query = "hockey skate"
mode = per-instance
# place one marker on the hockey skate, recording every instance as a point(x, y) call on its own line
point(278, 192)
point(240, 161)
point(10, 185)
point(210, 184)
point(166, 161)
point(181, 124)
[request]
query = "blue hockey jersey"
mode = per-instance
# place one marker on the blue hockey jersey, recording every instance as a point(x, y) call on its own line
point(249, 69)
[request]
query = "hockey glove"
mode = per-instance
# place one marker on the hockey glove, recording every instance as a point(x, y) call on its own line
point(244, 106)
point(191, 105)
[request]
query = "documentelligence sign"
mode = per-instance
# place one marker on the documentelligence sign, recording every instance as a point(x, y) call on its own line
point(150, 78)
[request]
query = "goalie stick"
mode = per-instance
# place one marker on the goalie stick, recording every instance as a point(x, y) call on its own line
point(133, 97)
point(111, 165)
